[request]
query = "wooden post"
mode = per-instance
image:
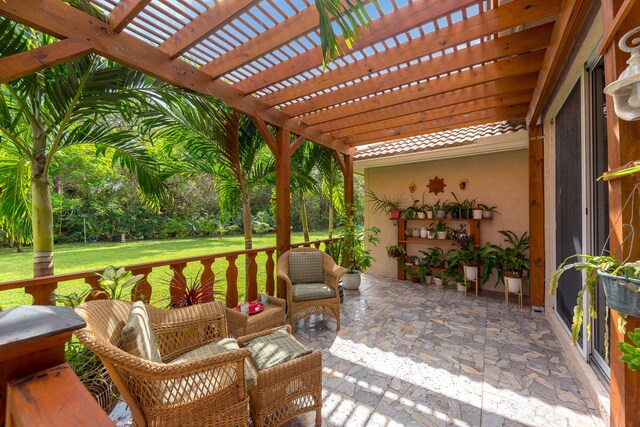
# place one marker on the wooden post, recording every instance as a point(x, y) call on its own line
point(32, 338)
point(283, 198)
point(348, 182)
point(623, 144)
point(536, 216)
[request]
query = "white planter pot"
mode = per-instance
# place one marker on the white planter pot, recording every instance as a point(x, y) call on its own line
point(427, 280)
point(461, 287)
point(422, 215)
point(514, 284)
point(471, 272)
point(477, 213)
point(415, 232)
point(351, 281)
point(441, 213)
point(430, 215)
point(487, 214)
point(442, 235)
point(437, 281)
point(431, 234)
point(423, 232)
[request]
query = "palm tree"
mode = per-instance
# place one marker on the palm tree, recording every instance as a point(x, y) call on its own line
point(218, 141)
point(332, 184)
point(15, 206)
point(303, 182)
point(80, 102)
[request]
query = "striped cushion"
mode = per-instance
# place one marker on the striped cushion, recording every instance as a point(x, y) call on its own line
point(306, 267)
point(273, 349)
point(217, 347)
point(311, 291)
point(137, 337)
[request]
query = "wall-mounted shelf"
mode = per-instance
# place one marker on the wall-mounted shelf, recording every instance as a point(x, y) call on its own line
point(473, 227)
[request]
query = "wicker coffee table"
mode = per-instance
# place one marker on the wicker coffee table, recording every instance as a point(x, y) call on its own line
point(240, 324)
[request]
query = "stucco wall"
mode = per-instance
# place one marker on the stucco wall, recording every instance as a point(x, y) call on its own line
point(498, 179)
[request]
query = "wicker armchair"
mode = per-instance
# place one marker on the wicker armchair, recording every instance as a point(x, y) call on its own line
point(297, 310)
point(286, 390)
point(209, 390)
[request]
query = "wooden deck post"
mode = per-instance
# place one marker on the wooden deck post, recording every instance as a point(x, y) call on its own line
point(536, 216)
point(623, 144)
point(283, 197)
point(348, 183)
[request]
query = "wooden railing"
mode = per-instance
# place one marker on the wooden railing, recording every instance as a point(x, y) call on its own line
point(41, 288)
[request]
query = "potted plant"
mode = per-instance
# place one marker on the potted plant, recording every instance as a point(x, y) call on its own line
point(383, 204)
point(488, 211)
point(395, 251)
point(425, 270)
point(431, 231)
point(442, 230)
point(435, 257)
point(356, 258)
point(428, 211)
point(421, 212)
point(439, 209)
point(513, 261)
point(415, 232)
point(477, 211)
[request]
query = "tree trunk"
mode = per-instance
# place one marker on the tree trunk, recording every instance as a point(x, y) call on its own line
point(331, 212)
point(246, 223)
point(19, 245)
point(42, 212)
point(303, 217)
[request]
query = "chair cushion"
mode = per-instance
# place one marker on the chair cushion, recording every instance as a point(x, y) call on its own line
point(217, 347)
point(312, 291)
point(306, 267)
point(137, 337)
point(275, 348)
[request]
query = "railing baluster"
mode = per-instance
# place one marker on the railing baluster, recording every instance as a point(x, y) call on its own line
point(42, 294)
point(142, 291)
point(232, 281)
point(177, 281)
point(270, 279)
point(252, 273)
point(208, 278)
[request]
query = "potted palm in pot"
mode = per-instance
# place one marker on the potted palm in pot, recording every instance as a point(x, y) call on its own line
point(355, 257)
point(384, 204)
point(513, 261)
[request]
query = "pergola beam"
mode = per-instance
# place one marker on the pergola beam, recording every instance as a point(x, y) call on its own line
point(269, 139)
point(203, 25)
point(276, 36)
point(511, 15)
point(448, 123)
point(296, 144)
point(504, 87)
point(124, 12)
point(63, 21)
point(31, 61)
point(429, 115)
point(340, 160)
point(413, 15)
point(565, 29)
point(525, 41)
point(522, 66)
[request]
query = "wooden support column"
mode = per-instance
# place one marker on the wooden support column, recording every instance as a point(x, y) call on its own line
point(623, 144)
point(536, 215)
point(283, 198)
point(348, 183)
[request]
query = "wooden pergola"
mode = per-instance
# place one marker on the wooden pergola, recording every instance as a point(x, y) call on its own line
point(421, 66)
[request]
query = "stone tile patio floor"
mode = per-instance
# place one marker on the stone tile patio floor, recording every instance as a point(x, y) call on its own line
point(417, 355)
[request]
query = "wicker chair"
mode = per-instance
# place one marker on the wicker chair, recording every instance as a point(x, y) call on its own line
point(297, 310)
point(209, 391)
point(240, 324)
point(286, 390)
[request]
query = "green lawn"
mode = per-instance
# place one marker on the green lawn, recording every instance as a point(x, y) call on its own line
point(90, 256)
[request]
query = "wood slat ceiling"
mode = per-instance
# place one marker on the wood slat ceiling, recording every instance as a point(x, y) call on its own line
point(421, 66)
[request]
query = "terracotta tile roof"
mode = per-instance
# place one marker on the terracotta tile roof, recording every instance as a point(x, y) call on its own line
point(437, 140)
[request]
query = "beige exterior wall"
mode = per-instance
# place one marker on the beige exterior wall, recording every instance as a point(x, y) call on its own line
point(497, 179)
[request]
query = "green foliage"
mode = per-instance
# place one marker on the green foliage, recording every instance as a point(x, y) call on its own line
point(116, 284)
point(347, 17)
point(382, 204)
point(631, 352)
point(350, 251)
